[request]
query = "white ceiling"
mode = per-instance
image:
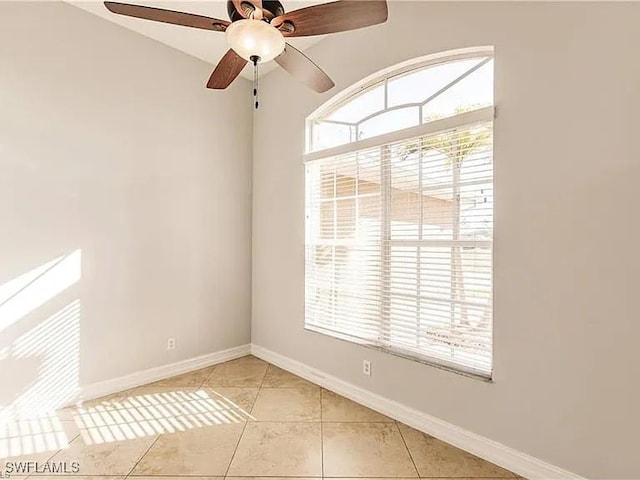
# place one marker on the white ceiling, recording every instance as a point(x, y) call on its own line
point(207, 45)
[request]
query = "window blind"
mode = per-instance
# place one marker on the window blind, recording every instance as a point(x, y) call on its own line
point(399, 246)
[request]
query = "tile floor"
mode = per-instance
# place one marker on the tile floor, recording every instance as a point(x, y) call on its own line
point(236, 420)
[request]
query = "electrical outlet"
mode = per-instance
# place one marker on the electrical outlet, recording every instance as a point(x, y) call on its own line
point(171, 344)
point(366, 367)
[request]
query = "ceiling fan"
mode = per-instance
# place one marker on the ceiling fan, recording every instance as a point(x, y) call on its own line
point(257, 32)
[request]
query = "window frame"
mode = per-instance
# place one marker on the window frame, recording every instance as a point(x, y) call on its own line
point(478, 116)
point(384, 76)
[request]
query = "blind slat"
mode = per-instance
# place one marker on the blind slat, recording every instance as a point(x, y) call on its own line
point(399, 246)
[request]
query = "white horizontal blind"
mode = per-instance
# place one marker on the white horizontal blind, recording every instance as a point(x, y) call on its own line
point(398, 247)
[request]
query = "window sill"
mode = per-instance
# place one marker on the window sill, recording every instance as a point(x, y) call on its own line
point(423, 359)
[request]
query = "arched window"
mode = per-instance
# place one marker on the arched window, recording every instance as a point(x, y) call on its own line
point(399, 212)
point(403, 98)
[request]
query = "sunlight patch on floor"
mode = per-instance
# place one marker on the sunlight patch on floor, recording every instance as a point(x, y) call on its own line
point(32, 436)
point(155, 413)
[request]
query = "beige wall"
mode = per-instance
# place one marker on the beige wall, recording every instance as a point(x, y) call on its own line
point(109, 143)
point(567, 170)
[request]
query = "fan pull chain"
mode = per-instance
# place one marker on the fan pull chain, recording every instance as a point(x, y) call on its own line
point(255, 59)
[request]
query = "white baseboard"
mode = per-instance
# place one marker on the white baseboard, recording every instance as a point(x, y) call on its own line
point(506, 457)
point(100, 389)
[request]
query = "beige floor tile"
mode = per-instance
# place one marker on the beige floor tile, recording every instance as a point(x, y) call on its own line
point(13, 454)
point(103, 401)
point(155, 411)
point(435, 458)
point(98, 416)
point(237, 373)
point(74, 477)
point(197, 426)
point(249, 359)
point(279, 449)
point(70, 431)
point(108, 403)
point(165, 477)
point(365, 450)
point(201, 451)
point(238, 399)
point(149, 412)
point(190, 379)
point(108, 458)
point(287, 405)
point(8, 419)
point(270, 478)
point(279, 378)
point(336, 408)
point(154, 389)
point(66, 414)
point(35, 439)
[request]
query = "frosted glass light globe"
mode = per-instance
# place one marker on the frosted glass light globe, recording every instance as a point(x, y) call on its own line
point(251, 37)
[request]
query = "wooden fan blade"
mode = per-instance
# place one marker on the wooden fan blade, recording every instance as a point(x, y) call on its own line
point(302, 67)
point(333, 17)
point(226, 71)
point(238, 4)
point(168, 16)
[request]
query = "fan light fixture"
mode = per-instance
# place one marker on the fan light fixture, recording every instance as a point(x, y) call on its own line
point(257, 29)
point(251, 38)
